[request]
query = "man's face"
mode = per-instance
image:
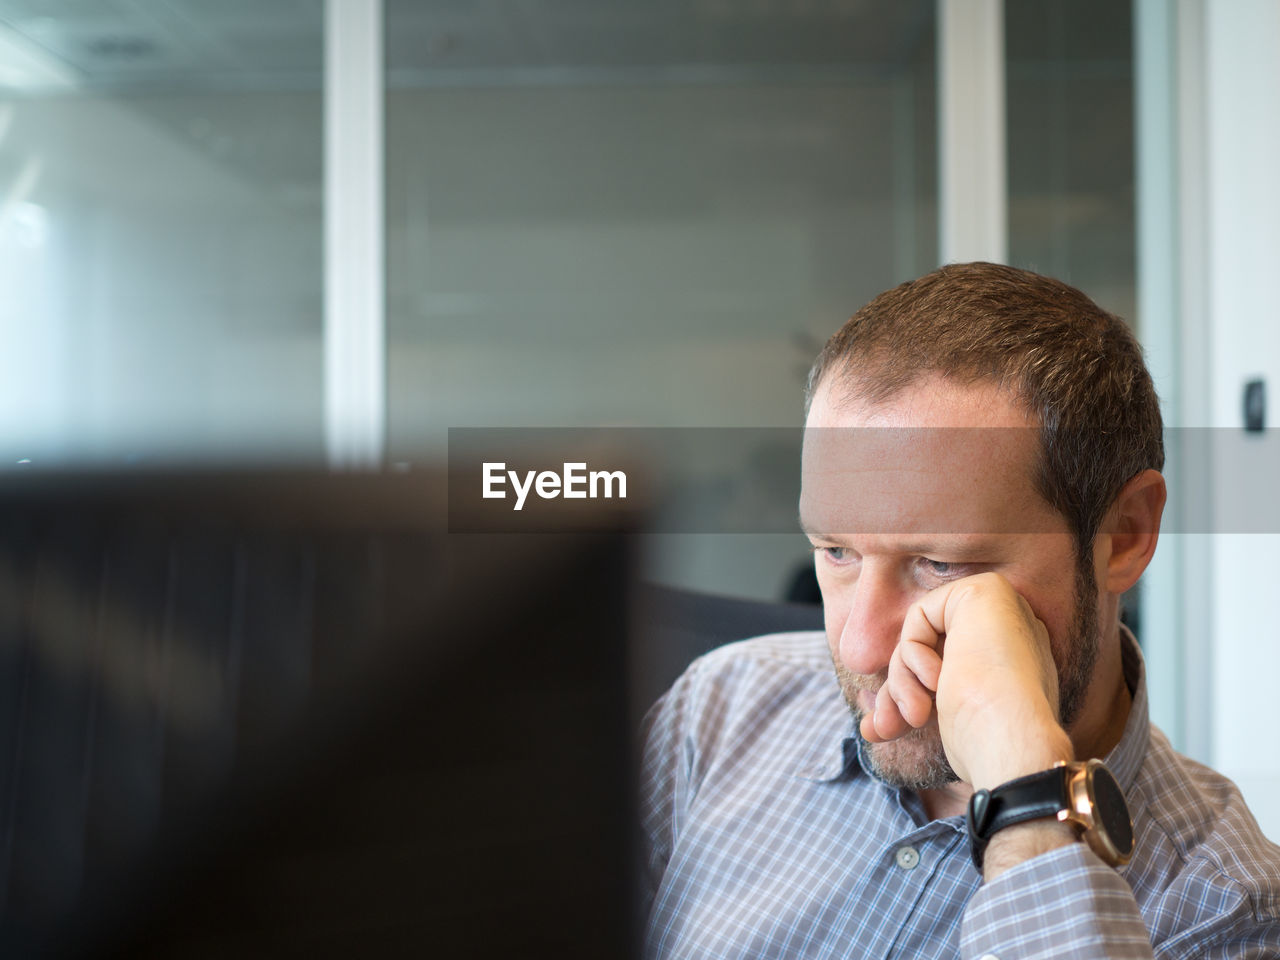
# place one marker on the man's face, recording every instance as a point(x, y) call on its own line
point(902, 497)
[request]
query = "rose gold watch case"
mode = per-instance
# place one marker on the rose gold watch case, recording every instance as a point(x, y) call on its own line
point(1080, 814)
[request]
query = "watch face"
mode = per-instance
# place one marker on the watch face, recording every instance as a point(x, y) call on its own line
point(1112, 811)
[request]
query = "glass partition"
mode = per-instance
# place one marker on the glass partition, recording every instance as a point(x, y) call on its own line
point(651, 214)
point(160, 231)
point(1070, 137)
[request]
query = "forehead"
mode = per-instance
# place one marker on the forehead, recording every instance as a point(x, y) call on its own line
point(938, 457)
point(932, 400)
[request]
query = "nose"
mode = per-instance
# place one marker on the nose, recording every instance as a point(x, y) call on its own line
point(877, 604)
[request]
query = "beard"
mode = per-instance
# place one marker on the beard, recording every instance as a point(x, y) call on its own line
point(917, 760)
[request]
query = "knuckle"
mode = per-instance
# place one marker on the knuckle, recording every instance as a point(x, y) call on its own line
point(990, 582)
point(992, 588)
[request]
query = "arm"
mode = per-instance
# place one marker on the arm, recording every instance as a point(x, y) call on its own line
point(996, 693)
point(663, 783)
point(1069, 904)
point(1065, 904)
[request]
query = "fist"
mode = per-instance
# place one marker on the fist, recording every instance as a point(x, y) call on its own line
point(973, 654)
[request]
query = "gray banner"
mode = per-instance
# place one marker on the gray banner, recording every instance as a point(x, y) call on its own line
point(884, 480)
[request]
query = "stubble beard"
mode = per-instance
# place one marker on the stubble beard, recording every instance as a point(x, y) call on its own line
point(917, 760)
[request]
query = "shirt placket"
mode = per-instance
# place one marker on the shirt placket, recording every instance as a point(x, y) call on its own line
point(885, 917)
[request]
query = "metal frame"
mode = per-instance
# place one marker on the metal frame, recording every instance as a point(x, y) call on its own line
point(1159, 311)
point(973, 217)
point(355, 394)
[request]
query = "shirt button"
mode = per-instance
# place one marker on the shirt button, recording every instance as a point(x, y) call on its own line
point(907, 857)
point(988, 956)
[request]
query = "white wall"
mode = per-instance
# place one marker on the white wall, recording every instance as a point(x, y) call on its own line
point(1242, 91)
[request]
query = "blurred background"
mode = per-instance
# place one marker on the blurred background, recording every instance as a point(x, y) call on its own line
point(329, 231)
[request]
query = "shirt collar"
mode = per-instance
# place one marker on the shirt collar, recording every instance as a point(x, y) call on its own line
point(837, 746)
point(833, 751)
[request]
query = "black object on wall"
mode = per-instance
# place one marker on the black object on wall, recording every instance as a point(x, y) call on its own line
point(1255, 406)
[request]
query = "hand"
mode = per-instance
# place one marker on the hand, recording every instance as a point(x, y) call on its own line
point(994, 692)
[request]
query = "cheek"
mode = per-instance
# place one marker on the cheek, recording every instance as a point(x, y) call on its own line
point(835, 609)
point(834, 615)
point(1057, 613)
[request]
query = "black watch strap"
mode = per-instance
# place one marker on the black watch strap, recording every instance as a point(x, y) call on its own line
point(1034, 797)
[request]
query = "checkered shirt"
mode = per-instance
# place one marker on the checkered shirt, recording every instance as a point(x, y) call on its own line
point(767, 838)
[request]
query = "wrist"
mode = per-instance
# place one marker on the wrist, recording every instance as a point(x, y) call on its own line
point(1046, 810)
point(1024, 841)
point(1029, 755)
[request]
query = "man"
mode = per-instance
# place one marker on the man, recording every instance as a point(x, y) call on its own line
point(980, 485)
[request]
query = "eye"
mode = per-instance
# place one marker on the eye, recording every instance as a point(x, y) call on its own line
point(836, 554)
point(939, 569)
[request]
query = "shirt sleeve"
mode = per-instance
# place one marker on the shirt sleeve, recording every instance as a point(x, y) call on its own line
point(1066, 905)
point(664, 781)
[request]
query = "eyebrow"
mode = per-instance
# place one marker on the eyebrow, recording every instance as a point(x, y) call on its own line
point(957, 546)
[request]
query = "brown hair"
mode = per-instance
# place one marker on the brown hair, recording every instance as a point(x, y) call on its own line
point(1076, 368)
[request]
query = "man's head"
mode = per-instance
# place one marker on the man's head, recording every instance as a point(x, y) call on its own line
point(1077, 370)
point(1019, 414)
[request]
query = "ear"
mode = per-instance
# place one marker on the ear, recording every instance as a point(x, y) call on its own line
point(1127, 540)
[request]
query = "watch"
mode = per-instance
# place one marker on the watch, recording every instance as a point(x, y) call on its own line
point(1084, 795)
